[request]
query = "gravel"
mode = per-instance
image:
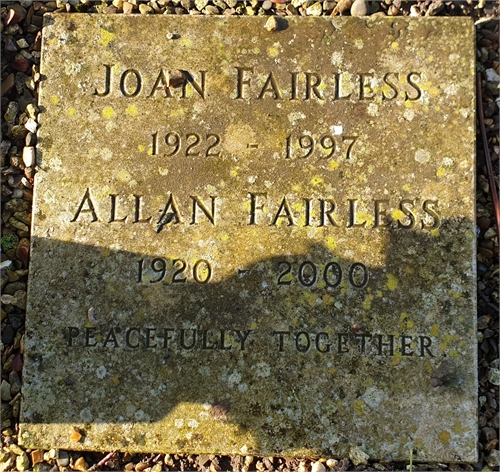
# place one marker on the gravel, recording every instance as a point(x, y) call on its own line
point(21, 36)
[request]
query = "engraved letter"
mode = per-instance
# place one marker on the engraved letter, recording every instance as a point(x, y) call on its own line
point(425, 344)
point(270, 87)
point(392, 85)
point(241, 337)
point(242, 80)
point(113, 218)
point(408, 213)
point(127, 338)
point(183, 339)
point(254, 207)
point(86, 200)
point(342, 343)
point(405, 346)
point(138, 83)
point(223, 346)
point(89, 334)
point(302, 347)
point(137, 216)
point(326, 213)
point(325, 347)
point(414, 85)
point(352, 215)
point(380, 215)
point(427, 206)
point(174, 215)
point(72, 334)
point(111, 337)
point(107, 86)
point(365, 87)
point(166, 337)
point(200, 89)
point(338, 87)
point(204, 341)
point(307, 208)
point(150, 336)
point(390, 344)
point(161, 84)
point(204, 209)
point(281, 334)
point(313, 86)
point(284, 207)
point(294, 86)
point(362, 345)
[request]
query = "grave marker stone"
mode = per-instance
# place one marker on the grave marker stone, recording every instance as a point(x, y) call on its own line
point(254, 242)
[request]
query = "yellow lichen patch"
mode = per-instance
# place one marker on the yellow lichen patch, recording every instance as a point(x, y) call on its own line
point(457, 427)
point(365, 217)
point(317, 181)
point(131, 110)
point(441, 172)
point(406, 188)
point(177, 112)
point(434, 330)
point(224, 237)
point(333, 165)
point(108, 113)
point(54, 99)
point(435, 233)
point(392, 282)
point(142, 148)
point(330, 243)
point(367, 304)
point(328, 300)
point(358, 407)
point(368, 382)
point(409, 271)
point(124, 176)
point(395, 46)
point(186, 42)
point(273, 51)
point(444, 436)
point(106, 37)
point(71, 111)
point(397, 214)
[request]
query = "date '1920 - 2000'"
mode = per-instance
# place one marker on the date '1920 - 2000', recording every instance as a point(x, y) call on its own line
point(306, 273)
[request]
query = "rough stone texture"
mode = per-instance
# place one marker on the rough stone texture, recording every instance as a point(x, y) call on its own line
point(130, 258)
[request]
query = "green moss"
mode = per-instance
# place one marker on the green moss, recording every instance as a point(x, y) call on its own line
point(9, 241)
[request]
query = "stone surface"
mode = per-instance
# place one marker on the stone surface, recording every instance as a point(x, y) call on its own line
point(275, 257)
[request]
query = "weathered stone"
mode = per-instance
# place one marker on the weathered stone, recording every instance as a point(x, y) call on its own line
point(358, 456)
point(359, 8)
point(274, 257)
point(316, 9)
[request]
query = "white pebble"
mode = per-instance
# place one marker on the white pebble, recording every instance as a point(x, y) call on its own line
point(31, 125)
point(29, 156)
point(22, 43)
point(318, 467)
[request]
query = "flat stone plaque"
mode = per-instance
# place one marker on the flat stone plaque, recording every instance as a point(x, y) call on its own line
point(254, 241)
